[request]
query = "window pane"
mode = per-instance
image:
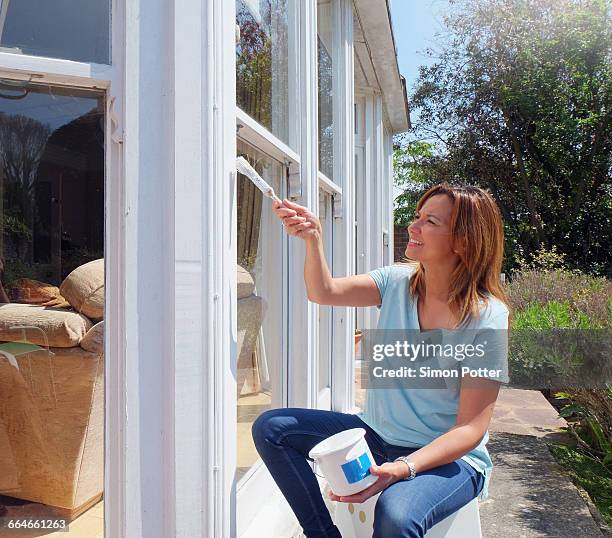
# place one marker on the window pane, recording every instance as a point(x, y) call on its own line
point(326, 87)
point(261, 339)
point(69, 29)
point(262, 54)
point(52, 301)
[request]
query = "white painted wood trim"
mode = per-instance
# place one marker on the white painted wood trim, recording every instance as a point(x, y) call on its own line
point(344, 229)
point(221, 250)
point(389, 249)
point(114, 252)
point(328, 185)
point(189, 452)
point(55, 69)
point(303, 315)
point(324, 398)
point(149, 258)
point(367, 224)
point(169, 469)
point(264, 140)
point(376, 239)
point(377, 29)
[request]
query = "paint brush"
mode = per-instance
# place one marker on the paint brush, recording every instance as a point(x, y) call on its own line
point(243, 166)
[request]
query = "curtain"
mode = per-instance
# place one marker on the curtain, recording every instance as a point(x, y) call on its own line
point(249, 206)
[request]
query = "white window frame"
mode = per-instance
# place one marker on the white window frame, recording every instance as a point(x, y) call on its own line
point(257, 484)
point(107, 78)
point(337, 7)
point(341, 189)
point(304, 185)
point(257, 135)
point(388, 198)
point(344, 169)
point(372, 150)
point(325, 321)
point(303, 315)
point(57, 69)
point(328, 185)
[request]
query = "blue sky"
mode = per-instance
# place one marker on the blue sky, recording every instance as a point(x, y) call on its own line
point(415, 23)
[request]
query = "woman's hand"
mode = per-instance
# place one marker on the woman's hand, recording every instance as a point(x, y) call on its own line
point(388, 473)
point(298, 220)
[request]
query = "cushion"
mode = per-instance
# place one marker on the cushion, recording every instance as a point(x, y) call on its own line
point(245, 282)
point(83, 288)
point(29, 291)
point(93, 341)
point(45, 326)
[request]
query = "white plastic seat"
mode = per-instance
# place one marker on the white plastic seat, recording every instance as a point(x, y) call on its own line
point(357, 521)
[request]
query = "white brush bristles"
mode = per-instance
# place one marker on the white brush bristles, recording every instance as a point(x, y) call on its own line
point(243, 166)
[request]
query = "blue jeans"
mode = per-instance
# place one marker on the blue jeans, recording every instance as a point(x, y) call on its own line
point(406, 509)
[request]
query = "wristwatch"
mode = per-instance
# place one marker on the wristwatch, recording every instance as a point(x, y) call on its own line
point(411, 466)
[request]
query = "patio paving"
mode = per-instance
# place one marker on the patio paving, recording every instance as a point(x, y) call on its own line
point(530, 495)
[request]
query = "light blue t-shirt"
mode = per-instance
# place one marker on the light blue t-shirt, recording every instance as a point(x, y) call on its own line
point(415, 417)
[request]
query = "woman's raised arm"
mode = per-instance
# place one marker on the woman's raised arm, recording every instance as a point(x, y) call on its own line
point(322, 288)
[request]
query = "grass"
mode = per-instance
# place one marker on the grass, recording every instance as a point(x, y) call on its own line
point(589, 474)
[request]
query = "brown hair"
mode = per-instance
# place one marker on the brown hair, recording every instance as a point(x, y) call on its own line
point(477, 234)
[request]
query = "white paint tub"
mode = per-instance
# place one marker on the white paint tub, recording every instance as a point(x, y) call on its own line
point(345, 460)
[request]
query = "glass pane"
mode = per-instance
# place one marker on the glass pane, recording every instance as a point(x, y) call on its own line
point(52, 302)
point(326, 87)
point(260, 302)
point(262, 54)
point(69, 29)
point(325, 311)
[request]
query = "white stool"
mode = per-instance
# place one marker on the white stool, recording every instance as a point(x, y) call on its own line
point(357, 521)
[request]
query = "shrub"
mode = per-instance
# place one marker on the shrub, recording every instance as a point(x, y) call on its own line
point(551, 315)
point(592, 410)
point(582, 297)
point(546, 295)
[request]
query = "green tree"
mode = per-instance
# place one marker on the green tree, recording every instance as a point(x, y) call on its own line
point(519, 102)
point(411, 173)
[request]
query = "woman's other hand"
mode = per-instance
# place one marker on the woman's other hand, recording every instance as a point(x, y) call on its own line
point(298, 220)
point(388, 473)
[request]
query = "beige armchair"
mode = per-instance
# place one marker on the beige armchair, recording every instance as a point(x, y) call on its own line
point(52, 389)
point(52, 396)
point(251, 311)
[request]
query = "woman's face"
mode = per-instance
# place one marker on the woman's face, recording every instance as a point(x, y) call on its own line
point(430, 237)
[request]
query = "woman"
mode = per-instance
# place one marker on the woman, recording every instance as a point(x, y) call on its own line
point(456, 242)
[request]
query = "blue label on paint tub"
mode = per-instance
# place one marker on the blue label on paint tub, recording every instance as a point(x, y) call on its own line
point(357, 469)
